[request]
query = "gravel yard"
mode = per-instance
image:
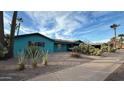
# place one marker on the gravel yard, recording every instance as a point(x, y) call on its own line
point(57, 61)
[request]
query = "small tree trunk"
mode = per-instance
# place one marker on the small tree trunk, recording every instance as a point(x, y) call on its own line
point(2, 28)
point(18, 29)
point(121, 41)
point(115, 38)
point(12, 34)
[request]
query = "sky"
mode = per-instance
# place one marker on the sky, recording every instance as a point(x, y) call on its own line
point(91, 26)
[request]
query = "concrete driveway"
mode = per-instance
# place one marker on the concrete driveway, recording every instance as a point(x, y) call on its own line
point(96, 70)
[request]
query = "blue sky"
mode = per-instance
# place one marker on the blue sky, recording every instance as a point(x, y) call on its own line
point(91, 26)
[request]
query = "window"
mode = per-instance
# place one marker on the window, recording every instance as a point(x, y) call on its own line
point(59, 45)
point(29, 43)
point(42, 44)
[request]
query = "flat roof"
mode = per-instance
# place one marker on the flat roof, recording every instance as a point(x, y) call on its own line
point(67, 41)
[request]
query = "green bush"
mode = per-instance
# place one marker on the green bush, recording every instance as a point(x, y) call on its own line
point(98, 52)
point(76, 49)
point(84, 48)
point(3, 51)
point(113, 50)
point(105, 48)
point(87, 49)
point(91, 50)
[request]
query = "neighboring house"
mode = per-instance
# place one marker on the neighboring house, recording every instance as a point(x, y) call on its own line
point(97, 45)
point(51, 45)
point(65, 45)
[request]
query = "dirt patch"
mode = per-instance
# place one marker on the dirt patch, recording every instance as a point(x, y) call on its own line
point(57, 62)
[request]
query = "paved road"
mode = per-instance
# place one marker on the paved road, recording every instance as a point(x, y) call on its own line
point(96, 70)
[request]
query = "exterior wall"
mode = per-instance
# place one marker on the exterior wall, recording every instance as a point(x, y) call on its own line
point(22, 42)
point(63, 48)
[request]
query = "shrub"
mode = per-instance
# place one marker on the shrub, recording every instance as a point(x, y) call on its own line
point(105, 48)
point(86, 49)
point(91, 50)
point(98, 52)
point(34, 53)
point(3, 51)
point(113, 50)
point(75, 55)
point(21, 62)
point(45, 58)
point(76, 49)
point(34, 64)
point(21, 66)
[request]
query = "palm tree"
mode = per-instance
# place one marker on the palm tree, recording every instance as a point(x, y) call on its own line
point(12, 34)
point(112, 41)
point(121, 39)
point(19, 23)
point(114, 27)
point(1, 28)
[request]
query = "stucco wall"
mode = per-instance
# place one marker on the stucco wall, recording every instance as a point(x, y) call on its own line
point(63, 48)
point(22, 42)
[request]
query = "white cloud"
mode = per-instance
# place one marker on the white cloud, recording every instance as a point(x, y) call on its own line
point(101, 41)
point(100, 13)
point(7, 21)
point(65, 23)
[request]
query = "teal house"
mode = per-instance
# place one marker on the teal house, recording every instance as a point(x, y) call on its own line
point(51, 45)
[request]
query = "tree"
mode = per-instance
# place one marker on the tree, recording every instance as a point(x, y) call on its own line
point(12, 34)
point(121, 39)
point(114, 27)
point(7, 39)
point(19, 20)
point(112, 41)
point(1, 28)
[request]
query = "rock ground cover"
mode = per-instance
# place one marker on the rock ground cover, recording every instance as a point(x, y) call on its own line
point(56, 62)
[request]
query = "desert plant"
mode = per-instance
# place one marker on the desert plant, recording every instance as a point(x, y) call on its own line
point(75, 55)
point(20, 66)
point(91, 50)
point(84, 48)
point(33, 52)
point(108, 48)
point(76, 49)
point(45, 58)
point(105, 48)
point(3, 51)
point(98, 52)
point(21, 61)
point(87, 49)
point(113, 50)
